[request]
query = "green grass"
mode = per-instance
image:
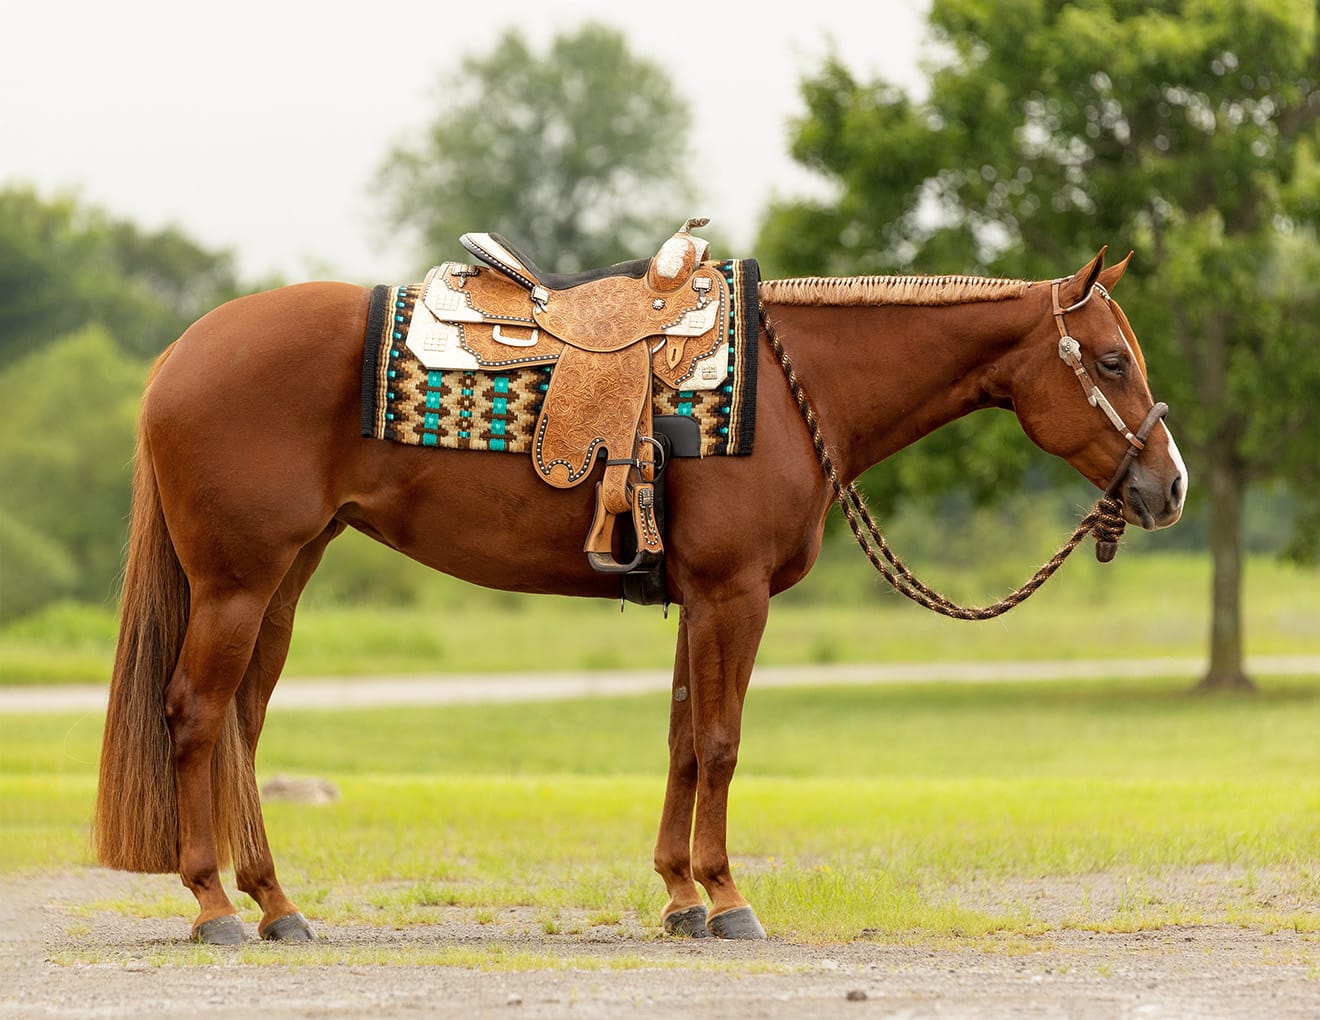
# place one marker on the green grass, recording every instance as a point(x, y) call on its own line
point(894, 812)
point(1142, 605)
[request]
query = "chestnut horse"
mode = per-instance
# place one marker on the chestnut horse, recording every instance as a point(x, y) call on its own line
point(246, 472)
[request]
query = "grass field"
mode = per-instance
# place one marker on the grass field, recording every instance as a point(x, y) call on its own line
point(893, 812)
point(1141, 605)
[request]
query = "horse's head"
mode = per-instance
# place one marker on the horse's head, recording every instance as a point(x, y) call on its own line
point(1109, 427)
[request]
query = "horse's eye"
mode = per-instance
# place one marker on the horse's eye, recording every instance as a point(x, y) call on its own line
point(1111, 365)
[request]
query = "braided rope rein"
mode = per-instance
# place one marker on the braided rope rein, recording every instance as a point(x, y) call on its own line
point(1105, 522)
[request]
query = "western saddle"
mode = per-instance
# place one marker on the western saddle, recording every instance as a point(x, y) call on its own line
point(608, 333)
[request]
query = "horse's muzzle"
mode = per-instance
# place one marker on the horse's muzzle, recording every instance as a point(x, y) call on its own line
point(1152, 500)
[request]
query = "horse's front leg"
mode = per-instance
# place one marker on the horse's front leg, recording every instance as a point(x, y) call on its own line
point(723, 633)
point(685, 913)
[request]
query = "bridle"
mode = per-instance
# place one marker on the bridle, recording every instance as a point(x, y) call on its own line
point(1071, 353)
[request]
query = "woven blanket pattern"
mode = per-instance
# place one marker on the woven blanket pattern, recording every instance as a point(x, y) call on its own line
point(404, 402)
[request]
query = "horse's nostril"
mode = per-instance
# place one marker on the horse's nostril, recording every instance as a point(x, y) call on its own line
point(1175, 490)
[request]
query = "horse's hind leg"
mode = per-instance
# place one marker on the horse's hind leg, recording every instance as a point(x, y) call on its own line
point(280, 919)
point(217, 794)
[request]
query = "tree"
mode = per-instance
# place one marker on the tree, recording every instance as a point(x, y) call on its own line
point(1186, 129)
point(66, 459)
point(85, 299)
point(577, 155)
point(64, 264)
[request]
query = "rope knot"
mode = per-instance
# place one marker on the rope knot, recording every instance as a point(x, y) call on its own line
point(1108, 528)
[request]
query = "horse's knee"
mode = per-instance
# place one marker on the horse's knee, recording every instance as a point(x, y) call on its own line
point(717, 756)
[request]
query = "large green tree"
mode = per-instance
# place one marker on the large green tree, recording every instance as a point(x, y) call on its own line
point(576, 154)
point(1185, 129)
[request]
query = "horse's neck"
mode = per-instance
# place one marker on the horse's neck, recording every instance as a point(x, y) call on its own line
point(882, 377)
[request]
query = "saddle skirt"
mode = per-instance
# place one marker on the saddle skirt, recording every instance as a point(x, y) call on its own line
point(607, 339)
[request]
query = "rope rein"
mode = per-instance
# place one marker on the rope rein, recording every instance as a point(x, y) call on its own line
point(1105, 521)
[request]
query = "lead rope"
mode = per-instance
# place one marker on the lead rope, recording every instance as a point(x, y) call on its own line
point(1105, 522)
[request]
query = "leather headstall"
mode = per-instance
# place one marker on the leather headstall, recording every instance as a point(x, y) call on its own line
point(1071, 353)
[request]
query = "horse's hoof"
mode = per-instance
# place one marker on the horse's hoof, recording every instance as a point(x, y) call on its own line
point(289, 928)
point(220, 931)
point(690, 921)
point(738, 923)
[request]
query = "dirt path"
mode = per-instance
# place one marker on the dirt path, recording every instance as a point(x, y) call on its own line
point(460, 688)
point(109, 967)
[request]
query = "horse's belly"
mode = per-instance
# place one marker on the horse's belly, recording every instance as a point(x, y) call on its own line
point(482, 517)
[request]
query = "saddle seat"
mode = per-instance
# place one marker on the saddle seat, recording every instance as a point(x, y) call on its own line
point(498, 252)
point(611, 308)
point(666, 271)
point(608, 332)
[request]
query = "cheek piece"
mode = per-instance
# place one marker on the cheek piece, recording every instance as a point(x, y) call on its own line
point(1070, 351)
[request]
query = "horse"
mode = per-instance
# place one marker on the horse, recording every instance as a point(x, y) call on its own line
point(242, 478)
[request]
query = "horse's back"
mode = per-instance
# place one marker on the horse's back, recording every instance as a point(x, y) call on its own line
point(265, 357)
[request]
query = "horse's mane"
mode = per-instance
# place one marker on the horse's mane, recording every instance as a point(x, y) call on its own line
point(889, 290)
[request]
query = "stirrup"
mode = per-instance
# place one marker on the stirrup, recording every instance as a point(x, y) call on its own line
point(646, 529)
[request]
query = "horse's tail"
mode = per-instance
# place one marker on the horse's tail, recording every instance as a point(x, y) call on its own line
point(136, 825)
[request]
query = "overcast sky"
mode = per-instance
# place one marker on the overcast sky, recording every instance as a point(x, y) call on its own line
point(258, 125)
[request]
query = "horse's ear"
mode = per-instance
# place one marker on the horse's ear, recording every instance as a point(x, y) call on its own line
point(1080, 283)
point(1110, 275)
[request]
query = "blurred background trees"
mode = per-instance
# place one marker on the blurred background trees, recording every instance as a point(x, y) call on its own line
point(578, 155)
point(85, 302)
point(1185, 129)
point(64, 264)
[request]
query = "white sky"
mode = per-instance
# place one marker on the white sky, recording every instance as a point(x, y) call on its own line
point(258, 126)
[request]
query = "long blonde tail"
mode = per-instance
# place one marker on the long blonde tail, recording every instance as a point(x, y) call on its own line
point(136, 825)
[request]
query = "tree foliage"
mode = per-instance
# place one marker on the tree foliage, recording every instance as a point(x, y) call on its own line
point(64, 264)
point(85, 300)
point(576, 154)
point(1185, 129)
point(65, 454)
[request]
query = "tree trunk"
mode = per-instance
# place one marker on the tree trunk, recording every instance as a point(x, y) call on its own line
point(1227, 486)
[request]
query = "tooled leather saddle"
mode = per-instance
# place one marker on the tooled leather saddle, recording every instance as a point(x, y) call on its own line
point(610, 334)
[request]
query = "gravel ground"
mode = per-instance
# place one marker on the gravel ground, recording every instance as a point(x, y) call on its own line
point(1173, 972)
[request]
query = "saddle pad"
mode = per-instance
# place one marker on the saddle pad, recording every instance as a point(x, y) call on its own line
point(463, 409)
